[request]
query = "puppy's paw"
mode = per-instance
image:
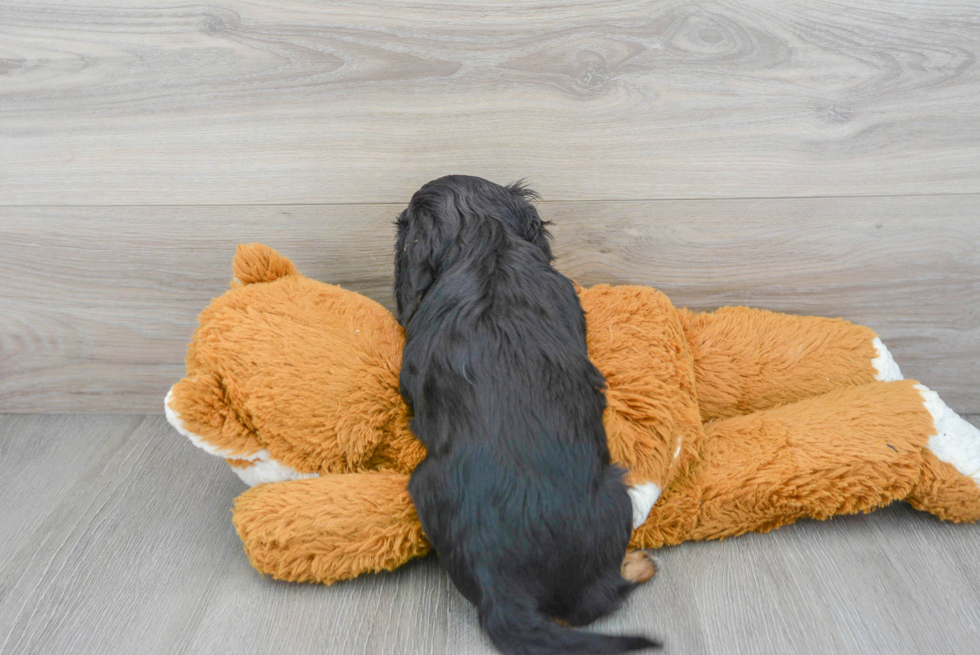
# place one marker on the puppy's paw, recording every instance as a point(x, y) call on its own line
point(638, 566)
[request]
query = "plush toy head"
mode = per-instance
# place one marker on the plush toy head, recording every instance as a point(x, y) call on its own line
point(290, 378)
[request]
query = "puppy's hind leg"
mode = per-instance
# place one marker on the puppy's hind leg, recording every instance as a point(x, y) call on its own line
point(608, 593)
point(638, 566)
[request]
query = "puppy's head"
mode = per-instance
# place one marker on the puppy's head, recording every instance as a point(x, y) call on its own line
point(457, 215)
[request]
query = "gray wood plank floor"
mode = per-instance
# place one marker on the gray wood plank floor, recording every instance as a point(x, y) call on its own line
point(117, 539)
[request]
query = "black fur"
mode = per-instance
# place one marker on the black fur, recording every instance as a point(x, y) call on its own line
point(517, 494)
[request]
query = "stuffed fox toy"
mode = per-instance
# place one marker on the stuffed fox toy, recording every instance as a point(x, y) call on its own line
point(727, 422)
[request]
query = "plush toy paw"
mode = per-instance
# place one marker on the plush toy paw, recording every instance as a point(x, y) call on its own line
point(956, 441)
point(332, 528)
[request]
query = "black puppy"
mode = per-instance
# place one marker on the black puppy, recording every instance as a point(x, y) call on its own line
point(517, 494)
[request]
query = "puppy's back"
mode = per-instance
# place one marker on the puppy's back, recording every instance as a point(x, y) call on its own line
point(517, 493)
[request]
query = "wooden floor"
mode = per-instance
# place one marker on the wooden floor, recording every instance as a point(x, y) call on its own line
point(118, 539)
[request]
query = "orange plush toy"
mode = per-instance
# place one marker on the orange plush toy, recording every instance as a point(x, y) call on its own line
point(727, 422)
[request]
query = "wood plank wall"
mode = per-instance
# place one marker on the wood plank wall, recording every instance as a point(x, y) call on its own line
point(800, 156)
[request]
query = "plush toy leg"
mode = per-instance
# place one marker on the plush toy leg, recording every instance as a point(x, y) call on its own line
point(330, 528)
point(850, 450)
point(746, 360)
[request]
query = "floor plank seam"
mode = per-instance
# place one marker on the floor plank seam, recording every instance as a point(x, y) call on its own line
point(357, 203)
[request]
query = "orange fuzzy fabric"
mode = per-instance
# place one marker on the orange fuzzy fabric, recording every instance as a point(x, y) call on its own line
point(852, 450)
point(746, 419)
point(751, 359)
point(330, 528)
point(306, 371)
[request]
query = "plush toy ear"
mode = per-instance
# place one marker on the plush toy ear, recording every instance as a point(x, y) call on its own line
point(529, 223)
point(360, 431)
point(258, 263)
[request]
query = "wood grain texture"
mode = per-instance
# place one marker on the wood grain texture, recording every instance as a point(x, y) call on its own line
point(889, 582)
point(122, 560)
point(99, 303)
point(106, 299)
point(909, 268)
point(132, 550)
point(350, 102)
point(35, 448)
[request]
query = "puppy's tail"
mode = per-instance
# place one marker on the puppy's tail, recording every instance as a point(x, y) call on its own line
point(517, 629)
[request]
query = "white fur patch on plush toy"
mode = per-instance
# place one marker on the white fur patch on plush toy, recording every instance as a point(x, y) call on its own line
point(956, 442)
point(643, 497)
point(884, 364)
point(263, 469)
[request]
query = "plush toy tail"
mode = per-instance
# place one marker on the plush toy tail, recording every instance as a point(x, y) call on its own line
point(257, 263)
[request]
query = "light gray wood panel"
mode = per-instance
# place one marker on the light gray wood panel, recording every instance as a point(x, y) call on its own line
point(99, 303)
point(123, 562)
point(45, 448)
point(107, 298)
point(135, 552)
point(907, 267)
point(894, 581)
point(403, 612)
point(888, 582)
point(250, 102)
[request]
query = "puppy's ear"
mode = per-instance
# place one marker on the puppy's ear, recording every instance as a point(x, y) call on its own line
point(534, 228)
point(419, 250)
point(538, 233)
point(412, 273)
